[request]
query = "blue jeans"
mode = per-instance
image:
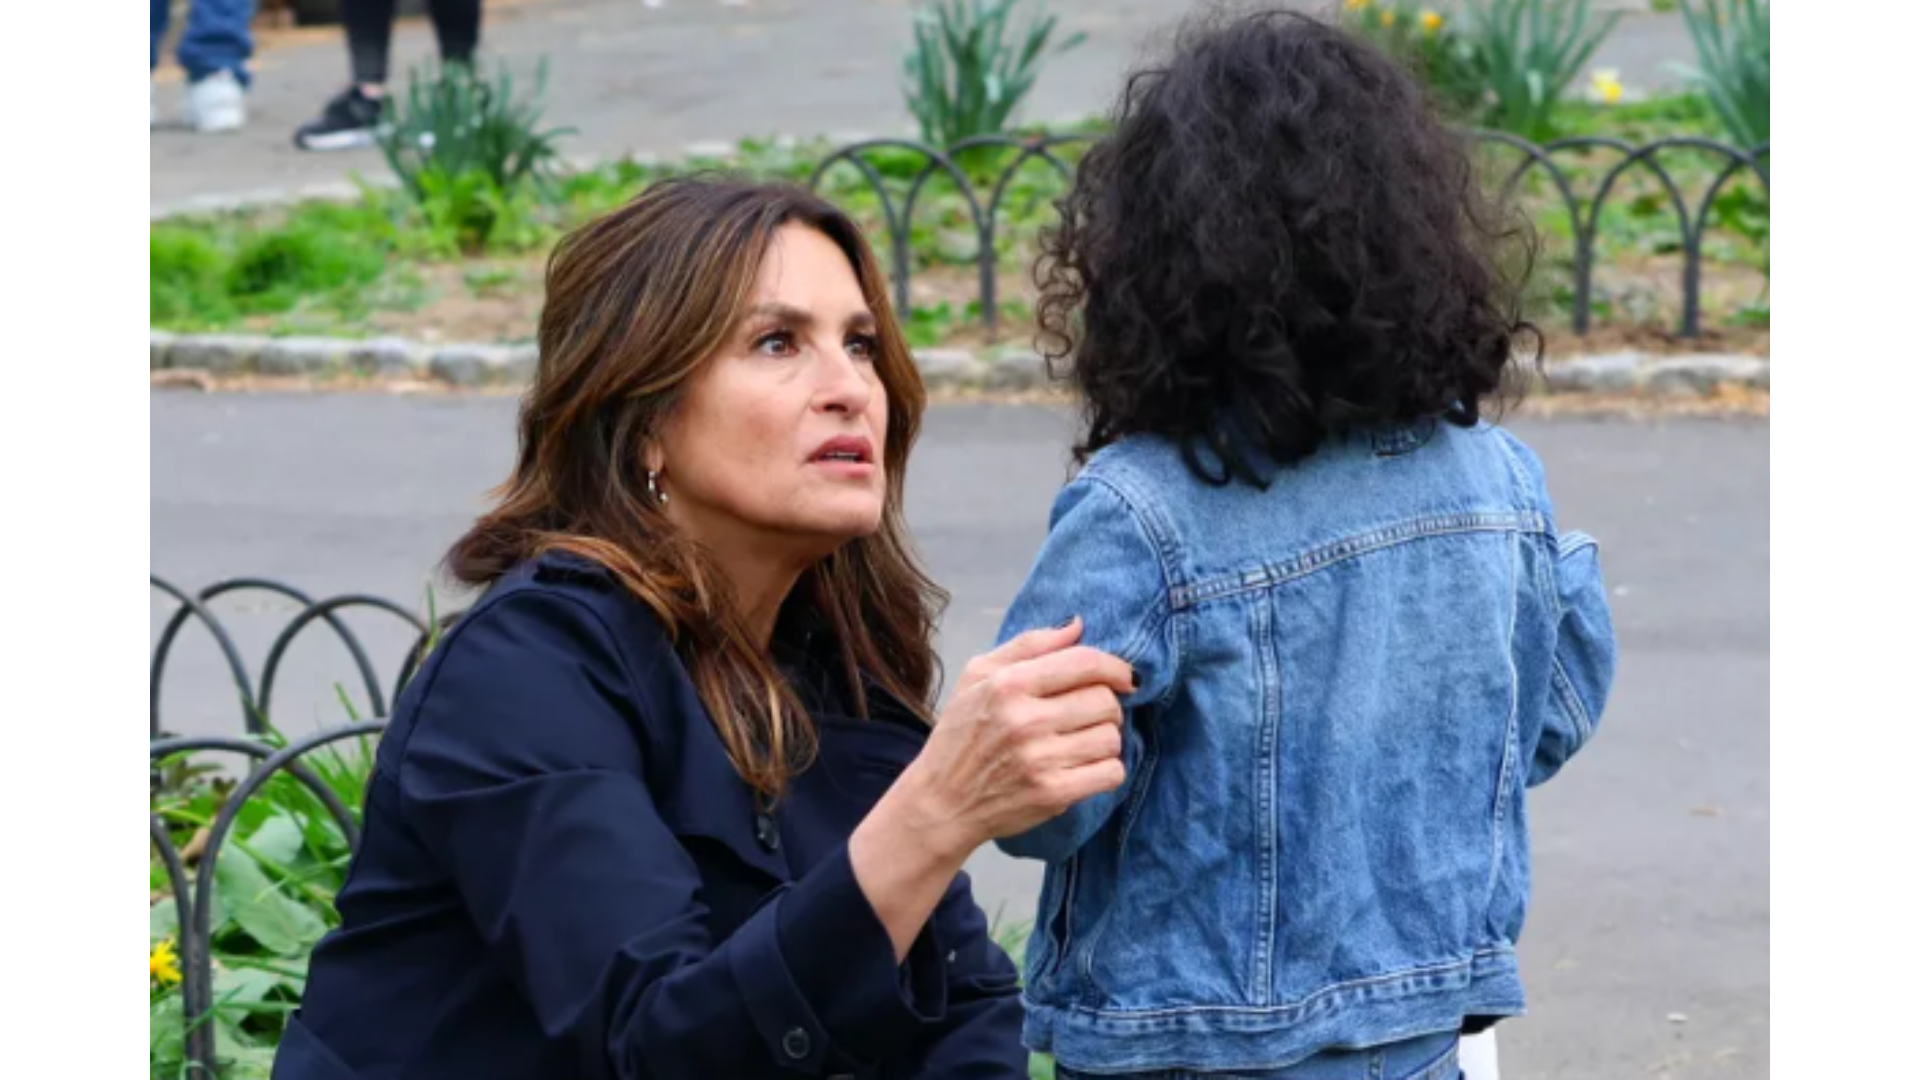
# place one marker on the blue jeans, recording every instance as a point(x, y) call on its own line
point(1426, 1057)
point(219, 37)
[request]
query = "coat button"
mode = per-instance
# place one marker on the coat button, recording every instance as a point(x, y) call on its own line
point(796, 1043)
point(767, 831)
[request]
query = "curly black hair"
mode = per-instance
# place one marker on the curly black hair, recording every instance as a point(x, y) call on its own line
point(1279, 242)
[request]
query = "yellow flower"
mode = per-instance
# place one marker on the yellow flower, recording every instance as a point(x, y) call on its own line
point(1431, 22)
point(1606, 86)
point(163, 966)
point(1357, 5)
point(1387, 16)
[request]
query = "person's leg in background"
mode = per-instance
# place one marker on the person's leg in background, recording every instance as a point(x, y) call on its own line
point(352, 117)
point(369, 27)
point(214, 50)
point(162, 10)
point(456, 25)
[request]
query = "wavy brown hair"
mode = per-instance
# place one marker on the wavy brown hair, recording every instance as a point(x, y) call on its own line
point(637, 301)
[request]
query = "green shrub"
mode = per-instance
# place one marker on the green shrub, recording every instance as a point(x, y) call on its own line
point(970, 67)
point(1528, 52)
point(1732, 46)
point(469, 213)
point(473, 156)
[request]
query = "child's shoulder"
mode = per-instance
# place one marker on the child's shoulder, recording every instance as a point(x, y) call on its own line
point(1135, 457)
point(1144, 477)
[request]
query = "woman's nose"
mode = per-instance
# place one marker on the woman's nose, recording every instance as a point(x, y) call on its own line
point(845, 386)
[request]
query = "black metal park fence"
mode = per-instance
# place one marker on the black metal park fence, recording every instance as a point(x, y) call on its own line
point(1693, 213)
point(190, 869)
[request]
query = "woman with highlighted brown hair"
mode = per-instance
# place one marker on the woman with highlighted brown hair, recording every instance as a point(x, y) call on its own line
point(668, 801)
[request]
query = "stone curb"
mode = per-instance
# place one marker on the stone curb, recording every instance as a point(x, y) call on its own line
point(1690, 376)
point(474, 365)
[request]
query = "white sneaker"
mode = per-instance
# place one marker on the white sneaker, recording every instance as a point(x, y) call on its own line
point(217, 103)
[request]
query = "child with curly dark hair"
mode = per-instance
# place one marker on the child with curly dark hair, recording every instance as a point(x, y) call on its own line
point(1359, 636)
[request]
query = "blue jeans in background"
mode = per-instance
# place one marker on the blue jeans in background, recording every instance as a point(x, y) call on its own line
point(219, 37)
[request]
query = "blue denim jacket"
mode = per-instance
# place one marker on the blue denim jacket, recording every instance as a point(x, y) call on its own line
point(1347, 683)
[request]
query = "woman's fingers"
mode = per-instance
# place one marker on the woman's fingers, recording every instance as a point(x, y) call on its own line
point(1020, 649)
point(1086, 781)
point(1088, 706)
point(1027, 646)
point(1070, 668)
point(1086, 746)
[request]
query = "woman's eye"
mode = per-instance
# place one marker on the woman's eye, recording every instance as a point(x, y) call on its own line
point(778, 343)
point(863, 346)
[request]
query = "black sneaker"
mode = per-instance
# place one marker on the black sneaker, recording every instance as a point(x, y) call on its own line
point(351, 120)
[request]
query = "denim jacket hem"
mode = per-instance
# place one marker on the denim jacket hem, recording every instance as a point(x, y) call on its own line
point(1363, 1012)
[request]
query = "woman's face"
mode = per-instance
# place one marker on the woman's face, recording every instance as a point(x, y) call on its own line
point(779, 439)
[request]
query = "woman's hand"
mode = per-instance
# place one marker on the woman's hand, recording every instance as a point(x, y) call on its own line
point(1032, 728)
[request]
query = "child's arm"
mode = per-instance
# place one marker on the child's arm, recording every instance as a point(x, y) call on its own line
point(1100, 563)
point(1583, 657)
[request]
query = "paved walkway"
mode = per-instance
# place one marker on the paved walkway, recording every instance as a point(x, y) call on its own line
point(632, 77)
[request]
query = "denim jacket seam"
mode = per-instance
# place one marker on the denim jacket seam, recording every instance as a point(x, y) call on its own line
point(1510, 741)
point(1135, 800)
point(1267, 801)
point(1268, 575)
point(1566, 546)
point(1570, 701)
point(1166, 548)
point(1524, 484)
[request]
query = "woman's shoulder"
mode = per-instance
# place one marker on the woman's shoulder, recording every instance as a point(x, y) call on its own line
point(559, 593)
point(555, 627)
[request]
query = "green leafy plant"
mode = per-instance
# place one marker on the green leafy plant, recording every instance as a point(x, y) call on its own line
point(274, 884)
point(970, 66)
point(455, 120)
point(1426, 43)
point(1731, 46)
point(468, 213)
point(473, 156)
point(1528, 53)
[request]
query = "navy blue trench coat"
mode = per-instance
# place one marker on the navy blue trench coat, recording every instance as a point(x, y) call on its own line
point(562, 876)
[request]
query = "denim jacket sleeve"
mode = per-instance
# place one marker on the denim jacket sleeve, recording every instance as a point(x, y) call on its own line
point(1583, 656)
point(1099, 562)
point(523, 777)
